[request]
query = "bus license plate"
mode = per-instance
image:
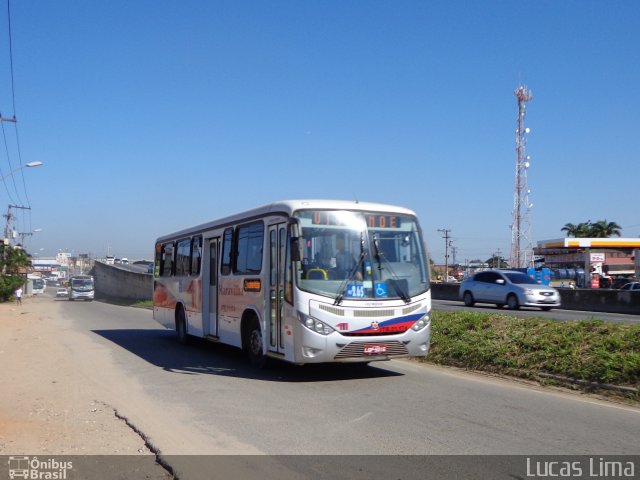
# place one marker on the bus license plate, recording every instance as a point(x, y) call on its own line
point(374, 349)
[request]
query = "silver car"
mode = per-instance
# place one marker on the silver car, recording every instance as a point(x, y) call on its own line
point(508, 287)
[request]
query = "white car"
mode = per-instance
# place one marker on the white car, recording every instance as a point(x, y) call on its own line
point(632, 286)
point(508, 287)
point(62, 292)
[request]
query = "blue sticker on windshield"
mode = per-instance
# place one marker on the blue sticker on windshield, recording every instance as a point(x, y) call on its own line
point(381, 289)
point(355, 291)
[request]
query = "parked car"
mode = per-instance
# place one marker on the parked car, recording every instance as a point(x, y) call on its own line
point(507, 287)
point(620, 281)
point(62, 292)
point(633, 286)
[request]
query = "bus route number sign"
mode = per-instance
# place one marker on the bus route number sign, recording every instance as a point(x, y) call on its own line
point(355, 291)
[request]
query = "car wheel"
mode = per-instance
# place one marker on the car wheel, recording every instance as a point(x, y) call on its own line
point(468, 299)
point(512, 302)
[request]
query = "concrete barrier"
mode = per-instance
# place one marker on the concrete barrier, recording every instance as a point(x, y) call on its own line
point(596, 300)
point(114, 282)
point(601, 300)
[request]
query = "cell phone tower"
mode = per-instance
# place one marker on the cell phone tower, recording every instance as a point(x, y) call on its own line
point(521, 243)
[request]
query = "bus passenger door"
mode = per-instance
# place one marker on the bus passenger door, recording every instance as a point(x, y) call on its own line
point(277, 242)
point(212, 288)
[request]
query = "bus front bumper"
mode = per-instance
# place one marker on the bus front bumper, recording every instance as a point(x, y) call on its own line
point(345, 349)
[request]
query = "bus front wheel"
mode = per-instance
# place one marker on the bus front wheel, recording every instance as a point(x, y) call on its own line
point(254, 343)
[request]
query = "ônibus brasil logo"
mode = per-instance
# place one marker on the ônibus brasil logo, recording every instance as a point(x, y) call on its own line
point(36, 469)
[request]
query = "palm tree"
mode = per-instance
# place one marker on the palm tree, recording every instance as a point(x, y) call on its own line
point(599, 229)
point(604, 229)
point(570, 228)
point(583, 229)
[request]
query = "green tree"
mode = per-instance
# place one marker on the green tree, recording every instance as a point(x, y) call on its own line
point(604, 229)
point(497, 261)
point(13, 264)
point(582, 229)
point(599, 229)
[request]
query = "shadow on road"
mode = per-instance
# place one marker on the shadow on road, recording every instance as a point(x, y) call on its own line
point(200, 357)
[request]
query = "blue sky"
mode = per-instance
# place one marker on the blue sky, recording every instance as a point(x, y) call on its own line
point(152, 116)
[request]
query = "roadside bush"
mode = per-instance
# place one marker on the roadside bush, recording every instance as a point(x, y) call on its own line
point(8, 285)
point(592, 350)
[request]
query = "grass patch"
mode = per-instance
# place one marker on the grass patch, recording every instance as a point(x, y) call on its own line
point(591, 351)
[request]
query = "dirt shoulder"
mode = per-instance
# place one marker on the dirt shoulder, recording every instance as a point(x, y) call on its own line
point(49, 405)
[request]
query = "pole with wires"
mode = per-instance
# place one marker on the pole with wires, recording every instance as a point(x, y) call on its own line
point(446, 253)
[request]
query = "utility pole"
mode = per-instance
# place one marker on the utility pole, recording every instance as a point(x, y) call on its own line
point(446, 253)
point(496, 259)
point(8, 232)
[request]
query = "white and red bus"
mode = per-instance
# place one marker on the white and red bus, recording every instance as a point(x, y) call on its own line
point(305, 281)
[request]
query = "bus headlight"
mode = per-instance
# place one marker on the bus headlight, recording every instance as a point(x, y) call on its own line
point(420, 324)
point(314, 324)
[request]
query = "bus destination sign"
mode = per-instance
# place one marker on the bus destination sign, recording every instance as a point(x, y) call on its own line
point(373, 220)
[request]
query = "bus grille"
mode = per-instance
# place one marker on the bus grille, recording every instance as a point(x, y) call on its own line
point(412, 308)
point(334, 310)
point(373, 313)
point(356, 349)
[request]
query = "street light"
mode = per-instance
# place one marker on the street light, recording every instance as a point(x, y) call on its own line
point(26, 165)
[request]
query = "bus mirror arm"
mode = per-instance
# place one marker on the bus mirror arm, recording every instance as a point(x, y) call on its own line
point(295, 249)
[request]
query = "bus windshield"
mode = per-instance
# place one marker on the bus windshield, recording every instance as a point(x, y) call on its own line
point(82, 283)
point(361, 255)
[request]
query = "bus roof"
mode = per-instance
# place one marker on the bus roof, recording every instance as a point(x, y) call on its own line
point(287, 207)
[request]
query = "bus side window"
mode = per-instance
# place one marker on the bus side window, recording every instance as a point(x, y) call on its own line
point(227, 245)
point(182, 257)
point(157, 260)
point(250, 241)
point(166, 267)
point(196, 255)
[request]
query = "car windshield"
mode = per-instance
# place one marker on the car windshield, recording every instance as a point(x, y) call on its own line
point(361, 255)
point(521, 278)
point(81, 283)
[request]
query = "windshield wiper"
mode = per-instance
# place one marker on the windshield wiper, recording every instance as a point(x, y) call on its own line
point(352, 272)
point(395, 280)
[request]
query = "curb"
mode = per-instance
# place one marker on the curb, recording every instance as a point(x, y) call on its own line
point(587, 383)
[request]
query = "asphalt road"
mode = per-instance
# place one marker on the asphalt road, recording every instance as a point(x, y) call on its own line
point(555, 314)
point(206, 398)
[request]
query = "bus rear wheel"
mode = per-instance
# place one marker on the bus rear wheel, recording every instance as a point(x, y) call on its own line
point(181, 327)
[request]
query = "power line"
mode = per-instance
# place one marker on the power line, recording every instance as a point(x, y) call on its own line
point(13, 90)
point(14, 121)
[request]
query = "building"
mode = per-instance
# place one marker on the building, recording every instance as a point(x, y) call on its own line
point(591, 262)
